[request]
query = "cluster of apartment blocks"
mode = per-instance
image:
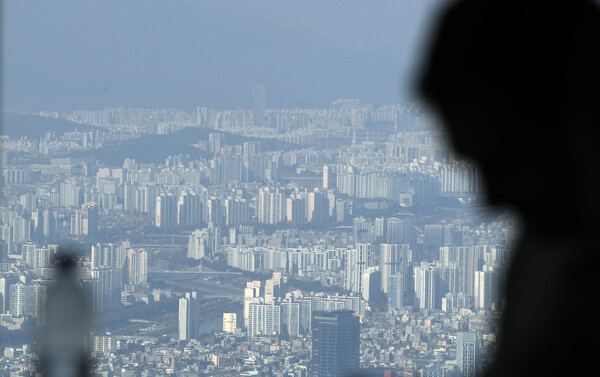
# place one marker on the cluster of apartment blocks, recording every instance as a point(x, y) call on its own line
point(269, 310)
point(464, 276)
point(115, 274)
point(381, 262)
point(340, 114)
point(32, 223)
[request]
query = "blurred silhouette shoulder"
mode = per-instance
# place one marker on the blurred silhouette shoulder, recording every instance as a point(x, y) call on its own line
point(516, 83)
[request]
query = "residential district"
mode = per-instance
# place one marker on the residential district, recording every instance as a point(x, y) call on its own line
point(346, 240)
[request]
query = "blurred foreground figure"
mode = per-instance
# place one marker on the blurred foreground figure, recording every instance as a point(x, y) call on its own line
point(517, 84)
point(64, 352)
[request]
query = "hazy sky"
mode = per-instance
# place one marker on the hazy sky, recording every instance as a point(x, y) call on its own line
point(69, 54)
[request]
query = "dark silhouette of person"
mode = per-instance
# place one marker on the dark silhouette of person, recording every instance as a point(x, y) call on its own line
point(517, 84)
point(64, 351)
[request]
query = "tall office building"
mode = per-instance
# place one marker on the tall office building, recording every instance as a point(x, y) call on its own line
point(466, 353)
point(189, 318)
point(336, 344)
point(260, 103)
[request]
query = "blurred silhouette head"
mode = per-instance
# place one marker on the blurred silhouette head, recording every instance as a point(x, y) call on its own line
point(65, 263)
point(515, 83)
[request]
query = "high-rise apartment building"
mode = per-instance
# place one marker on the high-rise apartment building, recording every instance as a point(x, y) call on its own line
point(19, 299)
point(269, 206)
point(137, 266)
point(357, 262)
point(336, 344)
point(371, 283)
point(4, 289)
point(467, 353)
point(199, 244)
point(108, 255)
point(427, 286)
point(166, 211)
point(394, 259)
point(396, 290)
point(229, 322)
point(291, 317)
point(251, 291)
point(215, 142)
point(6, 238)
point(263, 319)
point(400, 230)
point(89, 218)
point(106, 284)
point(467, 260)
point(328, 177)
point(190, 208)
point(189, 318)
point(317, 210)
point(296, 208)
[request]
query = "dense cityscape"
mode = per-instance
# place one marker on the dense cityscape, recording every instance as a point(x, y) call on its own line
point(252, 242)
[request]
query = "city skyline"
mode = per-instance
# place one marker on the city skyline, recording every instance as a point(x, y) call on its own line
point(239, 188)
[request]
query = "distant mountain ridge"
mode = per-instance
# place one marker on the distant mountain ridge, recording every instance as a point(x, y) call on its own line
point(156, 148)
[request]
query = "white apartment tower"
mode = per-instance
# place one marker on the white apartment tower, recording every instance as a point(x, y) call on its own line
point(189, 318)
point(137, 266)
